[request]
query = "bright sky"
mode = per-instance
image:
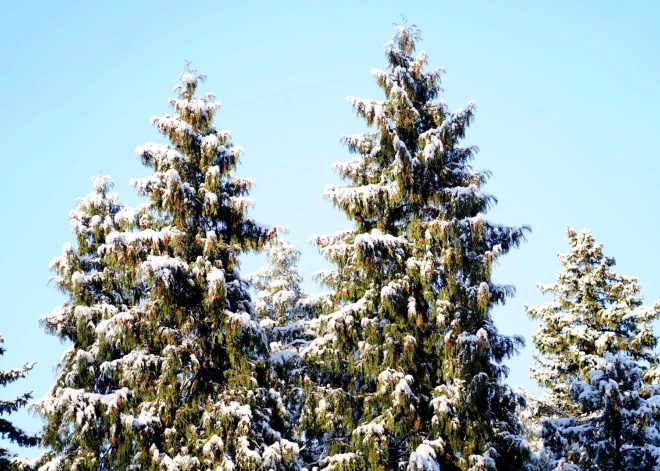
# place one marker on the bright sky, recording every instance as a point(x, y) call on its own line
point(567, 121)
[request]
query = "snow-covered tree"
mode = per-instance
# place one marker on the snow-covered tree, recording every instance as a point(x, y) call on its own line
point(286, 313)
point(168, 363)
point(594, 310)
point(595, 341)
point(284, 309)
point(9, 431)
point(279, 294)
point(407, 372)
point(81, 406)
point(535, 406)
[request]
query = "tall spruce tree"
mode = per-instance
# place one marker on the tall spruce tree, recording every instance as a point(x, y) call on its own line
point(595, 341)
point(167, 368)
point(9, 431)
point(407, 373)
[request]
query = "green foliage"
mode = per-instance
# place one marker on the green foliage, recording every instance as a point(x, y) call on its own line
point(594, 311)
point(405, 373)
point(595, 342)
point(168, 362)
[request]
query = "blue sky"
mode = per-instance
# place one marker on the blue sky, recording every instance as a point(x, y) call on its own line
point(567, 122)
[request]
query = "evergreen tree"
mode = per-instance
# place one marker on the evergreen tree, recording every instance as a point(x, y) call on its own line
point(406, 373)
point(594, 310)
point(81, 407)
point(532, 412)
point(167, 368)
point(286, 313)
point(9, 431)
point(280, 299)
point(595, 341)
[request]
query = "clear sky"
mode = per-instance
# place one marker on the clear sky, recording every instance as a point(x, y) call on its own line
point(567, 121)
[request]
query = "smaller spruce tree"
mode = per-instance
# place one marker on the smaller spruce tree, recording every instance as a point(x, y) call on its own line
point(83, 427)
point(285, 311)
point(595, 341)
point(287, 314)
point(279, 297)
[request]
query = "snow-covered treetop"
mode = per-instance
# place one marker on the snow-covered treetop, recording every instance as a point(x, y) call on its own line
point(594, 311)
point(278, 284)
